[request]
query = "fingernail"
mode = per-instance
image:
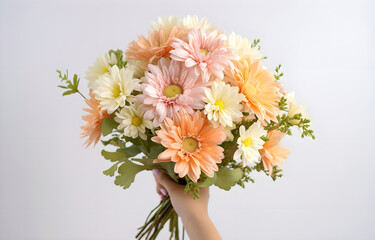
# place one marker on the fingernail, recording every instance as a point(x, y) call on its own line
point(163, 191)
point(155, 171)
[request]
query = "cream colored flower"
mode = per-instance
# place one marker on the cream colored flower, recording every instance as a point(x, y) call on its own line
point(194, 22)
point(223, 104)
point(132, 121)
point(138, 67)
point(295, 108)
point(115, 88)
point(167, 23)
point(249, 143)
point(242, 47)
point(100, 67)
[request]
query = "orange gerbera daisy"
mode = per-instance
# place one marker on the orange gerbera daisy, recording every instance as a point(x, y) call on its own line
point(156, 46)
point(272, 153)
point(260, 88)
point(192, 143)
point(92, 129)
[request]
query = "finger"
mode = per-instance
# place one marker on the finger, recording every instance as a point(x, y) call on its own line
point(164, 180)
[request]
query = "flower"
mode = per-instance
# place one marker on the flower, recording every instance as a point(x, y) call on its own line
point(205, 52)
point(100, 67)
point(242, 47)
point(169, 87)
point(116, 88)
point(138, 67)
point(260, 89)
point(155, 46)
point(92, 129)
point(295, 108)
point(272, 153)
point(249, 143)
point(223, 104)
point(168, 23)
point(191, 143)
point(132, 121)
point(194, 22)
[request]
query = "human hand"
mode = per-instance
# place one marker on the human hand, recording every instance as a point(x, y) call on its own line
point(193, 213)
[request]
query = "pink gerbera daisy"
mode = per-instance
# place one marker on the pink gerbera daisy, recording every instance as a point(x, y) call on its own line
point(169, 87)
point(192, 143)
point(206, 52)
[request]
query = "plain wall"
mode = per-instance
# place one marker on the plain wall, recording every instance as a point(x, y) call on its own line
point(52, 188)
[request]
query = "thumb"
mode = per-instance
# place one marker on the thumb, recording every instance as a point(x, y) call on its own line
point(163, 179)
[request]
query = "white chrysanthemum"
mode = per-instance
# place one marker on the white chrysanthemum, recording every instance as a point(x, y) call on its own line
point(100, 67)
point(131, 120)
point(295, 108)
point(167, 23)
point(137, 66)
point(115, 88)
point(242, 47)
point(223, 104)
point(194, 22)
point(249, 143)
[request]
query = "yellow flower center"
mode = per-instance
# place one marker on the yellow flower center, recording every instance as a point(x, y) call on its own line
point(251, 89)
point(190, 144)
point(203, 51)
point(247, 142)
point(105, 70)
point(116, 92)
point(172, 90)
point(136, 121)
point(219, 104)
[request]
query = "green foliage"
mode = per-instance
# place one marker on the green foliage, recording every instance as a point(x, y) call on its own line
point(227, 178)
point(192, 188)
point(119, 155)
point(283, 104)
point(70, 86)
point(119, 56)
point(285, 123)
point(207, 181)
point(111, 171)
point(276, 171)
point(278, 74)
point(108, 124)
point(255, 43)
point(114, 141)
point(127, 172)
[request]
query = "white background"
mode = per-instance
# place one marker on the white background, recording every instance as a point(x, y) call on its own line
point(52, 188)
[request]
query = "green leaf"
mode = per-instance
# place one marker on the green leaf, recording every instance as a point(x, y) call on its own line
point(127, 171)
point(115, 156)
point(114, 142)
point(111, 171)
point(131, 151)
point(208, 182)
point(108, 124)
point(169, 168)
point(227, 178)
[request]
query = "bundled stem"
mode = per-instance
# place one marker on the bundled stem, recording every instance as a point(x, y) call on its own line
point(156, 220)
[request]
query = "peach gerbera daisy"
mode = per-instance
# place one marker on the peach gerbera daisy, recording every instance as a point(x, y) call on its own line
point(205, 52)
point(169, 87)
point(192, 143)
point(156, 45)
point(259, 87)
point(272, 153)
point(92, 129)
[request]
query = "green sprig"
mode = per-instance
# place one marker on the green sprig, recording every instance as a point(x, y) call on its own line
point(119, 54)
point(278, 74)
point(71, 86)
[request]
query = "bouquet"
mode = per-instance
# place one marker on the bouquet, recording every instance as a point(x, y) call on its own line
point(192, 101)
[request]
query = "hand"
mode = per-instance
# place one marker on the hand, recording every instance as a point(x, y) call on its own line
point(193, 213)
